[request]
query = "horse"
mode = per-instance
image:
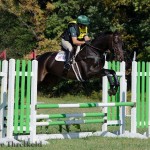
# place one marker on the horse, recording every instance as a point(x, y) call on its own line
point(87, 64)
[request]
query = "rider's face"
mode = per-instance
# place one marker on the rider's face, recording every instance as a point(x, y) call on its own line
point(82, 26)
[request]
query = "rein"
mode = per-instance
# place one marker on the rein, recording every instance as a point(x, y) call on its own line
point(100, 51)
point(96, 58)
point(93, 47)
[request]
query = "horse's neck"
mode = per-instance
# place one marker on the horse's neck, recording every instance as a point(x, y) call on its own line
point(86, 52)
point(98, 47)
point(102, 45)
point(102, 42)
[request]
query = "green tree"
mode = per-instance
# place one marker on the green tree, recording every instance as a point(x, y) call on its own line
point(44, 20)
point(15, 37)
point(32, 17)
point(104, 15)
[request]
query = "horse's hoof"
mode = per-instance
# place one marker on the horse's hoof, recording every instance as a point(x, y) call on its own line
point(67, 67)
point(118, 84)
point(110, 93)
point(114, 92)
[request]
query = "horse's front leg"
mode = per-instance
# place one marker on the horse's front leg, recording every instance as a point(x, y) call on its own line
point(113, 80)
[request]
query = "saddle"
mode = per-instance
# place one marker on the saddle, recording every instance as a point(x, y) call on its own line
point(61, 54)
point(61, 57)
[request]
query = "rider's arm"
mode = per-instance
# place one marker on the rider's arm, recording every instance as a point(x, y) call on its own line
point(75, 41)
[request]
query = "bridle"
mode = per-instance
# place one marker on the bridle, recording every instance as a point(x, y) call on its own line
point(113, 44)
point(115, 40)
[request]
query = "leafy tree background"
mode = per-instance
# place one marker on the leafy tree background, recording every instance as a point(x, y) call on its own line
point(27, 25)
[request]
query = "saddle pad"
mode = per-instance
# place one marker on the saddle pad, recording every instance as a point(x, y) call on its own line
point(60, 56)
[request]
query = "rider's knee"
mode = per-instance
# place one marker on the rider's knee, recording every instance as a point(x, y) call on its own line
point(70, 49)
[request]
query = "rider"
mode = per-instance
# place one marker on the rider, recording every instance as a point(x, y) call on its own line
point(76, 34)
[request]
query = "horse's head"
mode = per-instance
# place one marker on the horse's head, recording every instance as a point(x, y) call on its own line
point(116, 46)
point(110, 41)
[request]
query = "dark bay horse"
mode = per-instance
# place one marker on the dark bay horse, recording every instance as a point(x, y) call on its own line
point(88, 63)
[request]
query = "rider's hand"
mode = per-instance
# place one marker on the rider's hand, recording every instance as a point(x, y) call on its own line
point(88, 42)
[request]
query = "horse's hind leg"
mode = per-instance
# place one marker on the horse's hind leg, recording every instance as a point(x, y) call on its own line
point(113, 80)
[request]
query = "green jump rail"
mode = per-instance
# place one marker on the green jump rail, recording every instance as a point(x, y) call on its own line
point(50, 116)
point(84, 105)
point(69, 122)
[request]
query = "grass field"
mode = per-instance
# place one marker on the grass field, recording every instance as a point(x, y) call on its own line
point(89, 143)
point(92, 143)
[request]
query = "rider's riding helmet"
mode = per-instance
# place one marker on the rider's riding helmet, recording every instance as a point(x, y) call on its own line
point(84, 20)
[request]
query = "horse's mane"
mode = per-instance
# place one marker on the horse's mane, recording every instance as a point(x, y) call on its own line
point(101, 34)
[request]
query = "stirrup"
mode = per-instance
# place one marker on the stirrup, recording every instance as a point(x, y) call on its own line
point(67, 66)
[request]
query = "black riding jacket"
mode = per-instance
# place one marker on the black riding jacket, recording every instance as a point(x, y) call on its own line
point(66, 35)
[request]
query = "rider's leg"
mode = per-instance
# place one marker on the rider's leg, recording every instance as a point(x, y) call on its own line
point(68, 50)
point(68, 58)
point(77, 50)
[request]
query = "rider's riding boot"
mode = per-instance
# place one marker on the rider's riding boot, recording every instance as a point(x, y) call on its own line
point(67, 62)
